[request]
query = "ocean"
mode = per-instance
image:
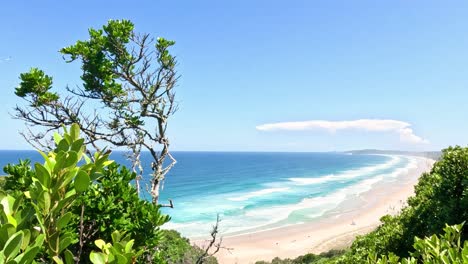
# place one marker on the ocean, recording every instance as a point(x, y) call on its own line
point(257, 191)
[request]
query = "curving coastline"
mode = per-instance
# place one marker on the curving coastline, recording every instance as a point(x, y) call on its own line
point(358, 214)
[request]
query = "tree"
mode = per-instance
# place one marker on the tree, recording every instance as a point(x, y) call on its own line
point(126, 98)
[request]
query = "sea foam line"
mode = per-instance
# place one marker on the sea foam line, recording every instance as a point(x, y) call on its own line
point(346, 175)
point(319, 205)
point(258, 193)
point(270, 218)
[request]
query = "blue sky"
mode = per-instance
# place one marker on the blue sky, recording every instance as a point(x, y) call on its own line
point(245, 64)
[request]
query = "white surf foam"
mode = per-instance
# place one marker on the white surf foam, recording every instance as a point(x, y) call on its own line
point(251, 220)
point(318, 206)
point(258, 194)
point(347, 175)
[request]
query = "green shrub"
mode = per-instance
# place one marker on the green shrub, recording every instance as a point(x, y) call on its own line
point(176, 249)
point(325, 257)
point(36, 217)
point(119, 252)
point(79, 207)
point(19, 243)
point(19, 176)
point(38, 208)
point(112, 203)
point(447, 248)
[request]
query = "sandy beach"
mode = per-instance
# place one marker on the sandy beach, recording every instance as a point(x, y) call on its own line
point(357, 215)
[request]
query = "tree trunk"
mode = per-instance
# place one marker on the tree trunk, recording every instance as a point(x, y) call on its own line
point(155, 182)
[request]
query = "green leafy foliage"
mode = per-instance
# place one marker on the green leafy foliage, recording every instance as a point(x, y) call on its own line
point(441, 196)
point(38, 205)
point(325, 257)
point(102, 54)
point(447, 248)
point(36, 84)
point(175, 249)
point(69, 184)
point(119, 252)
point(112, 203)
point(55, 187)
point(18, 242)
point(19, 176)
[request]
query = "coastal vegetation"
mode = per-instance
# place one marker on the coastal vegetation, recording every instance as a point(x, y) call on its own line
point(428, 230)
point(79, 206)
point(37, 216)
point(79, 209)
point(325, 257)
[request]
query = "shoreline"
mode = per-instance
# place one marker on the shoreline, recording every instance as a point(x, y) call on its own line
point(336, 230)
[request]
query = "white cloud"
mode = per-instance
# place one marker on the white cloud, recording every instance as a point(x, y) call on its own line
point(8, 59)
point(373, 125)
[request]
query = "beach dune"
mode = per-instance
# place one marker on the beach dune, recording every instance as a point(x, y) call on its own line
point(357, 215)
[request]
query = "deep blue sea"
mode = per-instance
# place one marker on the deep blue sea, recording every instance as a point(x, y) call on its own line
point(254, 191)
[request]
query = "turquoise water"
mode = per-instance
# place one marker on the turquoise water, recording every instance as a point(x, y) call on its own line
point(255, 191)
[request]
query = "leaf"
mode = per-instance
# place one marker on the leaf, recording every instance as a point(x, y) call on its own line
point(100, 243)
point(77, 145)
point(26, 238)
point(68, 138)
point(28, 256)
point(121, 259)
point(43, 202)
point(46, 201)
point(44, 155)
point(71, 159)
point(75, 131)
point(18, 202)
point(62, 146)
point(116, 236)
point(82, 181)
point(42, 175)
point(67, 178)
point(57, 259)
point(12, 220)
point(6, 231)
point(129, 246)
point(97, 258)
point(69, 196)
point(87, 159)
point(107, 163)
point(57, 138)
point(96, 175)
point(69, 259)
point(64, 220)
point(39, 240)
point(7, 202)
point(59, 161)
point(13, 245)
point(65, 241)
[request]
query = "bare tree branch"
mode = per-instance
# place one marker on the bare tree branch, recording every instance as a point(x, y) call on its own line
point(214, 244)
